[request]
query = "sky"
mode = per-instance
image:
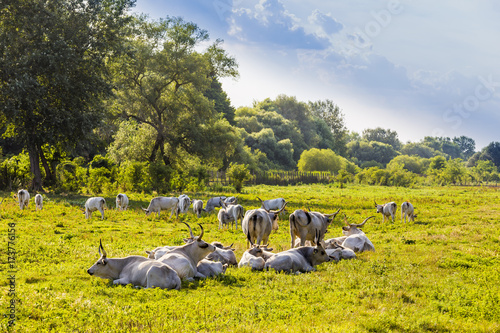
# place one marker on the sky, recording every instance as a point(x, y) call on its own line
point(420, 68)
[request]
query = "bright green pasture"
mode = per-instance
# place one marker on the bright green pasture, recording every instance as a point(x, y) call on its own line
point(439, 274)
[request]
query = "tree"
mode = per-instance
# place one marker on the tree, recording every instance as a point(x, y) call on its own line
point(320, 160)
point(466, 145)
point(53, 65)
point(164, 83)
point(239, 174)
point(376, 151)
point(492, 152)
point(383, 135)
point(332, 115)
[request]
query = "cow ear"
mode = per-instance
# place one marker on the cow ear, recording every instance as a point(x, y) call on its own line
point(315, 251)
point(104, 261)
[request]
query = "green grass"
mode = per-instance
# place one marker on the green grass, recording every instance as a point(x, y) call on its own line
point(439, 274)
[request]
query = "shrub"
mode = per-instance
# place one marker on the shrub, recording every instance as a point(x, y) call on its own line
point(239, 174)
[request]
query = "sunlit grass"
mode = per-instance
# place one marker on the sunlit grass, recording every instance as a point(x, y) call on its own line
point(439, 274)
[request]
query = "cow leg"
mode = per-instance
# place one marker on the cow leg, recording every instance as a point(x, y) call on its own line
point(102, 214)
point(123, 281)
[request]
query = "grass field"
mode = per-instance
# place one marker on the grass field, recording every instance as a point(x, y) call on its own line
point(439, 274)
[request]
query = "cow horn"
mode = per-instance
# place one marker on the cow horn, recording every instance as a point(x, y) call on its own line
point(144, 209)
point(262, 202)
point(282, 208)
point(104, 254)
point(202, 232)
point(361, 224)
point(375, 203)
point(345, 219)
point(190, 231)
point(308, 208)
point(334, 214)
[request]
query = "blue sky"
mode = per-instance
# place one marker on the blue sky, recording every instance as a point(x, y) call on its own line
point(421, 68)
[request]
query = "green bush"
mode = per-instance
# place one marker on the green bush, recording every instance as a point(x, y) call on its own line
point(239, 174)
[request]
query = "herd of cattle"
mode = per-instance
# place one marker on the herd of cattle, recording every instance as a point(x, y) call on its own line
point(167, 266)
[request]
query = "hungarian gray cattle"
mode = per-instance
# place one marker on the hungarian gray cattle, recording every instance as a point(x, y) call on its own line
point(136, 270)
point(306, 225)
point(184, 203)
point(185, 258)
point(388, 209)
point(156, 205)
point(214, 202)
point(39, 201)
point(272, 203)
point(300, 259)
point(197, 207)
point(258, 224)
point(256, 256)
point(340, 253)
point(93, 204)
point(23, 197)
point(231, 201)
point(407, 210)
point(230, 214)
point(121, 201)
point(356, 239)
point(210, 268)
point(223, 254)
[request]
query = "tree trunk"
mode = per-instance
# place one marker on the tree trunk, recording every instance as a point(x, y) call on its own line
point(152, 157)
point(35, 168)
point(48, 172)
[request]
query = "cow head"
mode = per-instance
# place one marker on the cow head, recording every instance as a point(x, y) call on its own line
point(257, 250)
point(147, 211)
point(197, 246)
point(380, 208)
point(351, 228)
point(330, 217)
point(318, 255)
point(101, 267)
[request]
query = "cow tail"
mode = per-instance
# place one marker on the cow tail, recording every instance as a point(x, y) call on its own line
point(309, 219)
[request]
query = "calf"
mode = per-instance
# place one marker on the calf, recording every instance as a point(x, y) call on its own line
point(407, 210)
point(39, 201)
point(388, 209)
point(121, 201)
point(136, 270)
point(156, 205)
point(23, 197)
point(230, 214)
point(93, 204)
point(214, 202)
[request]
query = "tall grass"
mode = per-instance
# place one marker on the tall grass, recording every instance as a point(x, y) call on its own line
point(439, 274)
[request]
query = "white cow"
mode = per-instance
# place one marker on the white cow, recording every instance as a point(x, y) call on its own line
point(272, 203)
point(231, 201)
point(340, 253)
point(93, 204)
point(214, 202)
point(306, 225)
point(356, 239)
point(223, 254)
point(301, 259)
point(184, 203)
point(230, 214)
point(407, 210)
point(185, 258)
point(23, 197)
point(210, 268)
point(258, 224)
point(157, 204)
point(39, 201)
point(136, 270)
point(197, 207)
point(121, 201)
point(388, 209)
point(256, 256)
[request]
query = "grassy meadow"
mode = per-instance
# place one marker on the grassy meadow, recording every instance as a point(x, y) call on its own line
point(439, 274)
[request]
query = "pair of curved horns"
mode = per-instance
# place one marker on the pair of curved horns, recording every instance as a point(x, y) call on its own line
point(191, 231)
point(333, 214)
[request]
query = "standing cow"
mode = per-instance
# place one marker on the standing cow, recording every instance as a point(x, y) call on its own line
point(93, 204)
point(258, 224)
point(39, 201)
point(157, 204)
point(306, 225)
point(388, 209)
point(23, 197)
point(407, 209)
point(121, 201)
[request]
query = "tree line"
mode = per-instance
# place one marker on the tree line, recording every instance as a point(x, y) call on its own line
point(93, 99)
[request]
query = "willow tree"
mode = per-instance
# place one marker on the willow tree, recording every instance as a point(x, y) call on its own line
point(163, 82)
point(53, 70)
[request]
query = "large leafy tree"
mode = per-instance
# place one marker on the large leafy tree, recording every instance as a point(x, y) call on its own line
point(53, 65)
point(332, 115)
point(383, 135)
point(165, 82)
